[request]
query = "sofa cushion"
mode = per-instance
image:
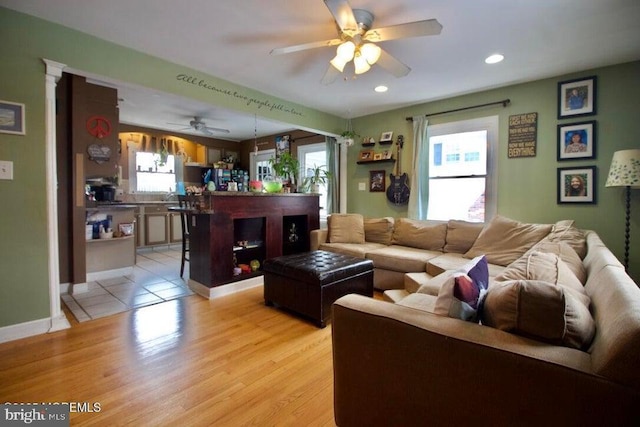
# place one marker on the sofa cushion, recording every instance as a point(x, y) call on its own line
point(452, 261)
point(422, 302)
point(432, 286)
point(504, 240)
point(401, 258)
point(419, 234)
point(564, 231)
point(379, 230)
point(463, 291)
point(566, 254)
point(546, 267)
point(358, 250)
point(538, 310)
point(345, 228)
point(461, 235)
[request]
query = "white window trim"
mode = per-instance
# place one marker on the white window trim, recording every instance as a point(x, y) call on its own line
point(491, 125)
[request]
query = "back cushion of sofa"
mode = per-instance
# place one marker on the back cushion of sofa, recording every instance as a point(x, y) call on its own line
point(419, 234)
point(564, 231)
point(379, 230)
point(461, 235)
point(345, 228)
point(504, 240)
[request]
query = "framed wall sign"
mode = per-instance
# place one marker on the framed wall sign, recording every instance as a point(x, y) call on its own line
point(12, 118)
point(577, 141)
point(577, 185)
point(377, 181)
point(577, 97)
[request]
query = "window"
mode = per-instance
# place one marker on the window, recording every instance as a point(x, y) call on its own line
point(310, 156)
point(152, 176)
point(462, 169)
point(260, 167)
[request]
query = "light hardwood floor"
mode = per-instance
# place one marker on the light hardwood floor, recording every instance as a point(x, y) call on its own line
point(227, 362)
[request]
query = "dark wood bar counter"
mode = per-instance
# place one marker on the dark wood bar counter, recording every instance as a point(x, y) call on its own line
point(231, 229)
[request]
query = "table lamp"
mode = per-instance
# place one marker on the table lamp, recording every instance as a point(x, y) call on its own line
point(625, 172)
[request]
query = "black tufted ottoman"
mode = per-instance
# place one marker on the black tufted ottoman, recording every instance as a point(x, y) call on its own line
point(308, 283)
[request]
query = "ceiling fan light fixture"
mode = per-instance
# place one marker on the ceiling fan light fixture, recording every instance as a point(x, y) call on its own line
point(346, 51)
point(338, 63)
point(360, 63)
point(371, 52)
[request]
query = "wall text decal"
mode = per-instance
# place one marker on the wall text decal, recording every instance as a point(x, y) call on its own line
point(250, 101)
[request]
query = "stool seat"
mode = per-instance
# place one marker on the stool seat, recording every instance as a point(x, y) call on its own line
point(309, 283)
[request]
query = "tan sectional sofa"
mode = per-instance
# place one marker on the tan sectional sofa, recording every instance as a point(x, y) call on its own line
point(401, 364)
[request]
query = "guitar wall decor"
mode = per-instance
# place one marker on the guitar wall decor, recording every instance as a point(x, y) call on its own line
point(398, 191)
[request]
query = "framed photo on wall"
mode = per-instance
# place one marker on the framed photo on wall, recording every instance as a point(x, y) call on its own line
point(386, 136)
point(377, 181)
point(577, 97)
point(12, 118)
point(577, 185)
point(365, 155)
point(577, 141)
point(283, 144)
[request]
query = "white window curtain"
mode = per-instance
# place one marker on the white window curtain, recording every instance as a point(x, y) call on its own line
point(419, 196)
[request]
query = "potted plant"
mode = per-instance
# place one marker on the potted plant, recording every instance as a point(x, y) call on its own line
point(286, 167)
point(349, 137)
point(319, 176)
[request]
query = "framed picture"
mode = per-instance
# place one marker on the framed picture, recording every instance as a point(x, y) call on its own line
point(577, 97)
point(386, 136)
point(377, 156)
point(377, 181)
point(577, 141)
point(365, 155)
point(125, 228)
point(283, 144)
point(12, 118)
point(577, 185)
point(386, 154)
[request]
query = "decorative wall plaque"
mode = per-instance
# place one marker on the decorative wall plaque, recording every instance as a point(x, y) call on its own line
point(99, 153)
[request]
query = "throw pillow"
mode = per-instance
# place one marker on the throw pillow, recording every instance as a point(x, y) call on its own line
point(346, 228)
point(462, 293)
point(539, 310)
point(379, 230)
point(461, 235)
point(504, 240)
point(419, 234)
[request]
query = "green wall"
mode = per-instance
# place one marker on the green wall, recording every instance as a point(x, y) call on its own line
point(24, 292)
point(527, 187)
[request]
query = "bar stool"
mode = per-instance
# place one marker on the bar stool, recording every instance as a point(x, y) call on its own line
point(187, 206)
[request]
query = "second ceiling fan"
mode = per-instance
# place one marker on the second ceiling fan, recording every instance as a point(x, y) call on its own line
point(357, 41)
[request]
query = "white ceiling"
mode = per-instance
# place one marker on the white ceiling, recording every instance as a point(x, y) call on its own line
point(231, 39)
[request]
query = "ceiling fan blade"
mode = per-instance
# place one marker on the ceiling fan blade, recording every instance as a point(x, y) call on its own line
point(305, 46)
point(392, 65)
point(330, 76)
point(210, 129)
point(343, 15)
point(430, 27)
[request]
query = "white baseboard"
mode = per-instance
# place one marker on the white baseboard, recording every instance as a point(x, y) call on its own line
point(231, 288)
point(109, 274)
point(26, 329)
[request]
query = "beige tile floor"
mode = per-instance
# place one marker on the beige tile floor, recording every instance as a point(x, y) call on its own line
point(155, 279)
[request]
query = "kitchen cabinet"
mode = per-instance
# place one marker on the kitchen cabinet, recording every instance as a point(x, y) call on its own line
point(158, 226)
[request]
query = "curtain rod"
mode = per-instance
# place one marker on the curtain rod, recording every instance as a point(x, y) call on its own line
point(504, 103)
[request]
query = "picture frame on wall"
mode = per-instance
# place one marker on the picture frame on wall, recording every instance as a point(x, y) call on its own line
point(577, 141)
point(283, 144)
point(577, 185)
point(577, 97)
point(386, 136)
point(377, 181)
point(12, 119)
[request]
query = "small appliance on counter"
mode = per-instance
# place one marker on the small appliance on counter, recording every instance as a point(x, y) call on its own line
point(102, 190)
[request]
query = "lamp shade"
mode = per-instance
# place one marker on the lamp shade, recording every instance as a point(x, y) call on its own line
point(625, 169)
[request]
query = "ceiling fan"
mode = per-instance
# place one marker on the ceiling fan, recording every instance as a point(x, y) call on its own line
point(357, 40)
point(199, 125)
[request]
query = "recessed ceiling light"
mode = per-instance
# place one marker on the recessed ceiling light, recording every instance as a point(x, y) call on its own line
point(494, 59)
point(381, 88)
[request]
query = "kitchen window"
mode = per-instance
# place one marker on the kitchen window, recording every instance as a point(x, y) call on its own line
point(153, 175)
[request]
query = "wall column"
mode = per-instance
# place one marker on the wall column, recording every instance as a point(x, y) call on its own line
point(53, 74)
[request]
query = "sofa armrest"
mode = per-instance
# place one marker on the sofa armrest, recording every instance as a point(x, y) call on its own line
point(317, 237)
point(396, 365)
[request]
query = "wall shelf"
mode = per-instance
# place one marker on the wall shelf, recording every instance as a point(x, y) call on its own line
point(368, 144)
point(366, 162)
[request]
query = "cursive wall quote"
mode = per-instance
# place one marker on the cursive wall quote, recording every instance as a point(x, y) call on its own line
point(250, 101)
